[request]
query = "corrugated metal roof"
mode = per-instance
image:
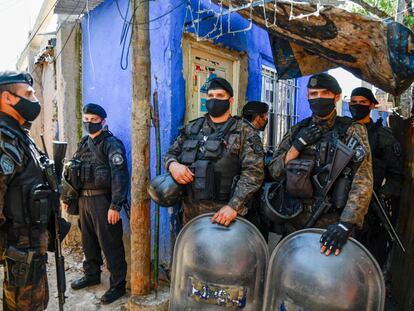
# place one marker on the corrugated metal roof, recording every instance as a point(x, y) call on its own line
point(75, 7)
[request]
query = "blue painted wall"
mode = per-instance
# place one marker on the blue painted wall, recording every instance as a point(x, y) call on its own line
point(105, 83)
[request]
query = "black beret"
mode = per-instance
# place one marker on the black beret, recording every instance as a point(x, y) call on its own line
point(220, 84)
point(13, 77)
point(324, 81)
point(253, 107)
point(95, 109)
point(367, 93)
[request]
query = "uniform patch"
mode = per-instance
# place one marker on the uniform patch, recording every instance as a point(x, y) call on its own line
point(7, 165)
point(117, 159)
point(359, 153)
point(313, 82)
point(396, 149)
point(256, 144)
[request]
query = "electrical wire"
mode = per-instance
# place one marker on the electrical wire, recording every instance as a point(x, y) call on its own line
point(128, 29)
point(89, 39)
point(41, 24)
point(66, 41)
point(151, 20)
point(124, 38)
point(67, 18)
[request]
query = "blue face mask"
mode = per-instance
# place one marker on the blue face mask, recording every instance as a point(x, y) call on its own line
point(92, 128)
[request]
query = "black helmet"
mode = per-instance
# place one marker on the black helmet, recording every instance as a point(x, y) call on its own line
point(165, 191)
point(276, 205)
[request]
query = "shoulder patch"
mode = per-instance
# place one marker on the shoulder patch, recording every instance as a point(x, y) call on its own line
point(359, 153)
point(354, 142)
point(256, 144)
point(7, 164)
point(117, 159)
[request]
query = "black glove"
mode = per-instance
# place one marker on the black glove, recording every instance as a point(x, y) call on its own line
point(336, 235)
point(307, 136)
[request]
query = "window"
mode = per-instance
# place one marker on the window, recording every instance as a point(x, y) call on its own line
point(280, 96)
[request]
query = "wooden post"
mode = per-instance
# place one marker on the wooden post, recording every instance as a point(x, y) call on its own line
point(399, 16)
point(140, 145)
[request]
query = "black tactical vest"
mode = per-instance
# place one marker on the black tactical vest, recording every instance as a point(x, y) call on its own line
point(322, 154)
point(94, 170)
point(209, 157)
point(28, 200)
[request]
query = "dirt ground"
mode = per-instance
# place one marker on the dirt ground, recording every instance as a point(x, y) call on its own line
point(81, 300)
point(89, 299)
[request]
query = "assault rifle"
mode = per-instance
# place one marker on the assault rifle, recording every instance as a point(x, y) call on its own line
point(385, 220)
point(341, 157)
point(53, 171)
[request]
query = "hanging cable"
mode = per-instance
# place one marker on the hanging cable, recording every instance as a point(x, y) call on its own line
point(125, 40)
point(41, 24)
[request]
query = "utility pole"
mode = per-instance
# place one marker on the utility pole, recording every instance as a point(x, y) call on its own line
point(140, 149)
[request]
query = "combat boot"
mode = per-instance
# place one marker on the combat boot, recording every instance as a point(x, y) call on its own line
point(113, 294)
point(85, 281)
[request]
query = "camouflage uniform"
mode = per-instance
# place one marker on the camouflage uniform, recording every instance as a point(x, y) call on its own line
point(23, 175)
point(362, 183)
point(244, 143)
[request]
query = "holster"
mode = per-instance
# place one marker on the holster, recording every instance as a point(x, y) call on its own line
point(70, 196)
point(203, 186)
point(72, 173)
point(341, 188)
point(298, 178)
point(23, 267)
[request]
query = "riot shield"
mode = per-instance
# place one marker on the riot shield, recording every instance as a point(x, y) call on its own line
point(217, 267)
point(299, 277)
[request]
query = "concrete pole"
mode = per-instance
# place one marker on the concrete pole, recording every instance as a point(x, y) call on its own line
point(140, 145)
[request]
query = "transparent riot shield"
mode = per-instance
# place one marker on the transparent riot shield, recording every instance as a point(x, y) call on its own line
point(300, 278)
point(217, 267)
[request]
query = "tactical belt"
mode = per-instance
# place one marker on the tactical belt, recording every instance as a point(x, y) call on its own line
point(93, 193)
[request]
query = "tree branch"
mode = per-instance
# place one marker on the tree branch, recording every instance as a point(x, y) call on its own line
point(372, 9)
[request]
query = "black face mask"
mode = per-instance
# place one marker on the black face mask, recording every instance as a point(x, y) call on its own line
point(27, 109)
point(359, 111)
point(321, 107)
point(92, 128)
point(217, 107)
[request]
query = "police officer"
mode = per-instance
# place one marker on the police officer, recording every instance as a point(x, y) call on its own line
point(103, 188)
point(387, 168)
point(219, 158)
point(256, 114)
point(25, 198)
point(308, 149)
